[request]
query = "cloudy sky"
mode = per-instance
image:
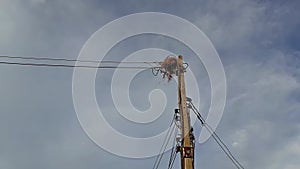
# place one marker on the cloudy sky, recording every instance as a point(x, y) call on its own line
point(259, 45)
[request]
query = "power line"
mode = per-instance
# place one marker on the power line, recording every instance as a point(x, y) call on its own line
point(172, 159)
point(173, 153)
point(74, 66)
point(218, 140)
point(164, 145)
point(68, 60)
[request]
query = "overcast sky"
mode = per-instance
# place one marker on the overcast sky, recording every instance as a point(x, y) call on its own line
point(259, 46)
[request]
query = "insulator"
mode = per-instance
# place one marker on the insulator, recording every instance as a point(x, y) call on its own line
point(188, 99)
point(178, 138)
point(177, 115)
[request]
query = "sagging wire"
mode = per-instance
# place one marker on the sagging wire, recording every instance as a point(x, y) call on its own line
point(155, 66)
point(74, 66)
point(68, 60)
point(19, 60)
point(164, 145)
point(173, 152)
point(218, 140)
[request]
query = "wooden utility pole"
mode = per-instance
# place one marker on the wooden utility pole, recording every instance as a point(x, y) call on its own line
point(187, 143)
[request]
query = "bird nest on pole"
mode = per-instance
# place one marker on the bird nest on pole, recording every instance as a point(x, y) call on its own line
point(168, 67)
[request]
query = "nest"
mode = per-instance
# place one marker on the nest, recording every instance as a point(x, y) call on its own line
point(168, 67)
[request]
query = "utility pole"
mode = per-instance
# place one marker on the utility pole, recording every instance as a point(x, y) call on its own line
point(187, 142)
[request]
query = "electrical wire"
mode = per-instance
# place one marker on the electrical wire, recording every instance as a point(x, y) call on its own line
point(164, 145)
point(164, 148)
point(173, 153)
point(171, 157)
point(218, 139)
point(68, 60)
point(73, 66)
point(155, 66)
point(222, 145)
point(172, 160)
point(151, 65)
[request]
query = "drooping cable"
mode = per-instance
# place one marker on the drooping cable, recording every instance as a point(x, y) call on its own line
point(173, 153)
point(171, 157)
point(67, 60)
point(74, 66)
point(164, 145)
point(94, 64)
point(172, 160)
point(218, 140)
point(63, 62)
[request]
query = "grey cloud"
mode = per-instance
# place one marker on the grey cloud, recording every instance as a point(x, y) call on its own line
point(39, 128)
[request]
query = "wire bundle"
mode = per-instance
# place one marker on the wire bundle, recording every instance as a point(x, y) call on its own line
point(216, 137)
point(36, 61)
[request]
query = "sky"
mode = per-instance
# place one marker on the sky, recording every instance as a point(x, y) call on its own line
point(258, 43)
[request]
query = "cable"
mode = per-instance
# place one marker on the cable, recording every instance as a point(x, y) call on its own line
point(171, 157)
point(164, 145)
point(173, 153)
point(79, 66)
point(172, 160)
point(208, 127)
point(155, 66)
point(218, 140)
point(68, 60)
point(172, 163)
point(222, 145)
